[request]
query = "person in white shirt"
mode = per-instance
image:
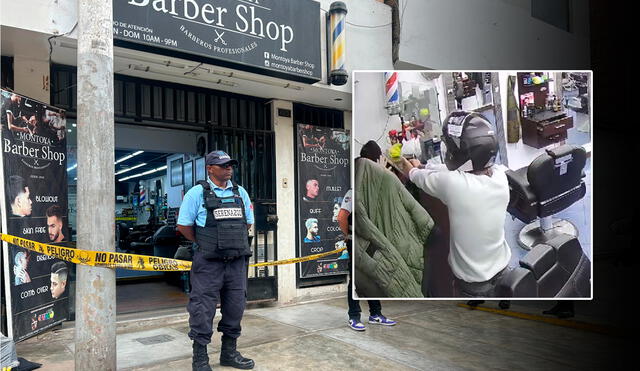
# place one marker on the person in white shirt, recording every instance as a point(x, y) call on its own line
point(476, 193)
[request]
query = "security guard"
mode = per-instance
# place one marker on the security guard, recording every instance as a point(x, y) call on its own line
point(222, 213)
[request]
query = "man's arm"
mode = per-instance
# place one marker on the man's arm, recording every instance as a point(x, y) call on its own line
point(306, 143)
point(343, 221)
point(248, 207)
point(187, 216)
point(406, 166)
point(187, 231)
point(11, 125)
point(430, 179)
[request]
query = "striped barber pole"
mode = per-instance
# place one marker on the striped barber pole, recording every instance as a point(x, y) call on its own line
point(392, 101)
point(143, 195)
point(338, 44)
point(391, 87)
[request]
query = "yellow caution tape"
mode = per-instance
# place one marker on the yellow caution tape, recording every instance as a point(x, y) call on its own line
point(129, 261)
point(298, 260)
point(102, 258)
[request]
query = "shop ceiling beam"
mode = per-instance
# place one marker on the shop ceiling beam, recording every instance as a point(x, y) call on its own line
point(95, 330)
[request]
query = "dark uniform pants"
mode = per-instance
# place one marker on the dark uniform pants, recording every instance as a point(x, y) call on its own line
point(213, 282)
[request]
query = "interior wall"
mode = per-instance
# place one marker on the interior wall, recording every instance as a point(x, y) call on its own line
point(371, 120)
point(175, 193)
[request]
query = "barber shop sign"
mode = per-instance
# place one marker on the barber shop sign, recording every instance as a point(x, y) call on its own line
point(274, 37)
point(33, 170)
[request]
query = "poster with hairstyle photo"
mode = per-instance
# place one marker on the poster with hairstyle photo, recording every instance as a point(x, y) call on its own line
point(34, 206)
point(322, 179)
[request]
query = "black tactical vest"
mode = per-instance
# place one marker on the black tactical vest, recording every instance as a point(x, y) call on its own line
point(225, 233)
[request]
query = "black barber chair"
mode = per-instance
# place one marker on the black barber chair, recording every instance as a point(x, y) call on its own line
point(122, 236)
point(140, 240)
point(556, 269)
point(552, 183)
point(142, 247)
point(165, 241)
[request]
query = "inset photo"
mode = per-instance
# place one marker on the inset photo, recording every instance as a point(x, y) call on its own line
point(472, 184)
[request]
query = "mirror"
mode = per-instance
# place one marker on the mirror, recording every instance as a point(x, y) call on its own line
point(419, 106)
point(472, 90)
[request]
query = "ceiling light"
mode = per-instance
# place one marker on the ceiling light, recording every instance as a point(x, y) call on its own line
point(164, 167)
point(125, 158)
point(129, 169)
point(72, 167)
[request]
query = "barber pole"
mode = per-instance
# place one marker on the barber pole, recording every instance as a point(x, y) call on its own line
point(338, 41)
point(337, 18)
point(143, 195)
point(392, 101)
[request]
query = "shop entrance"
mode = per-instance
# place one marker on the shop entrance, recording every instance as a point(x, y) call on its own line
point(163, 131)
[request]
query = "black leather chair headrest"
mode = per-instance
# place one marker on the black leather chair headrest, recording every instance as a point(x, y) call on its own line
point(557, 171)
point(560, 151)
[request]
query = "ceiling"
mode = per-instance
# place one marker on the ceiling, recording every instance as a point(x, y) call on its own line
point(152, 160)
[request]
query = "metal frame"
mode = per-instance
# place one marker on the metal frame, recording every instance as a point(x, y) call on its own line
point(238, 124)
point(319, 116)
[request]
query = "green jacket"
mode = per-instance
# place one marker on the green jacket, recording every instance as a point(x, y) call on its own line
point(388, 216)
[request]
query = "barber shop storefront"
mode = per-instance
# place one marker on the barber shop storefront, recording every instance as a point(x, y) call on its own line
point(190, 78)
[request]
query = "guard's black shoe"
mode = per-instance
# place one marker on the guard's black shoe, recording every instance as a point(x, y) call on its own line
point(236, 360)
point(504, 304)
point(200, 358)
point(229, 356)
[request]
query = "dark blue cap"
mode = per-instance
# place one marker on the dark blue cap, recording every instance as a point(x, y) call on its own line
point(220, 158)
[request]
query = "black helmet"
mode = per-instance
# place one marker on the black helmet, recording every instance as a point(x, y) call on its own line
point(470, 141)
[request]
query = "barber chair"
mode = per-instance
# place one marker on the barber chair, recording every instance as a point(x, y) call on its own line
point(556, 269)
point(552, 183)
point(143, 247)
point(122, 236)
point(165, 241)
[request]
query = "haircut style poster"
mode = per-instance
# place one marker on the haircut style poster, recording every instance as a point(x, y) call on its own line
point(323, 179)
point(34, 206)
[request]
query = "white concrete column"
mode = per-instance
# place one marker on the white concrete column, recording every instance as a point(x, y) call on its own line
point(285, 199)
point(95, 332)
